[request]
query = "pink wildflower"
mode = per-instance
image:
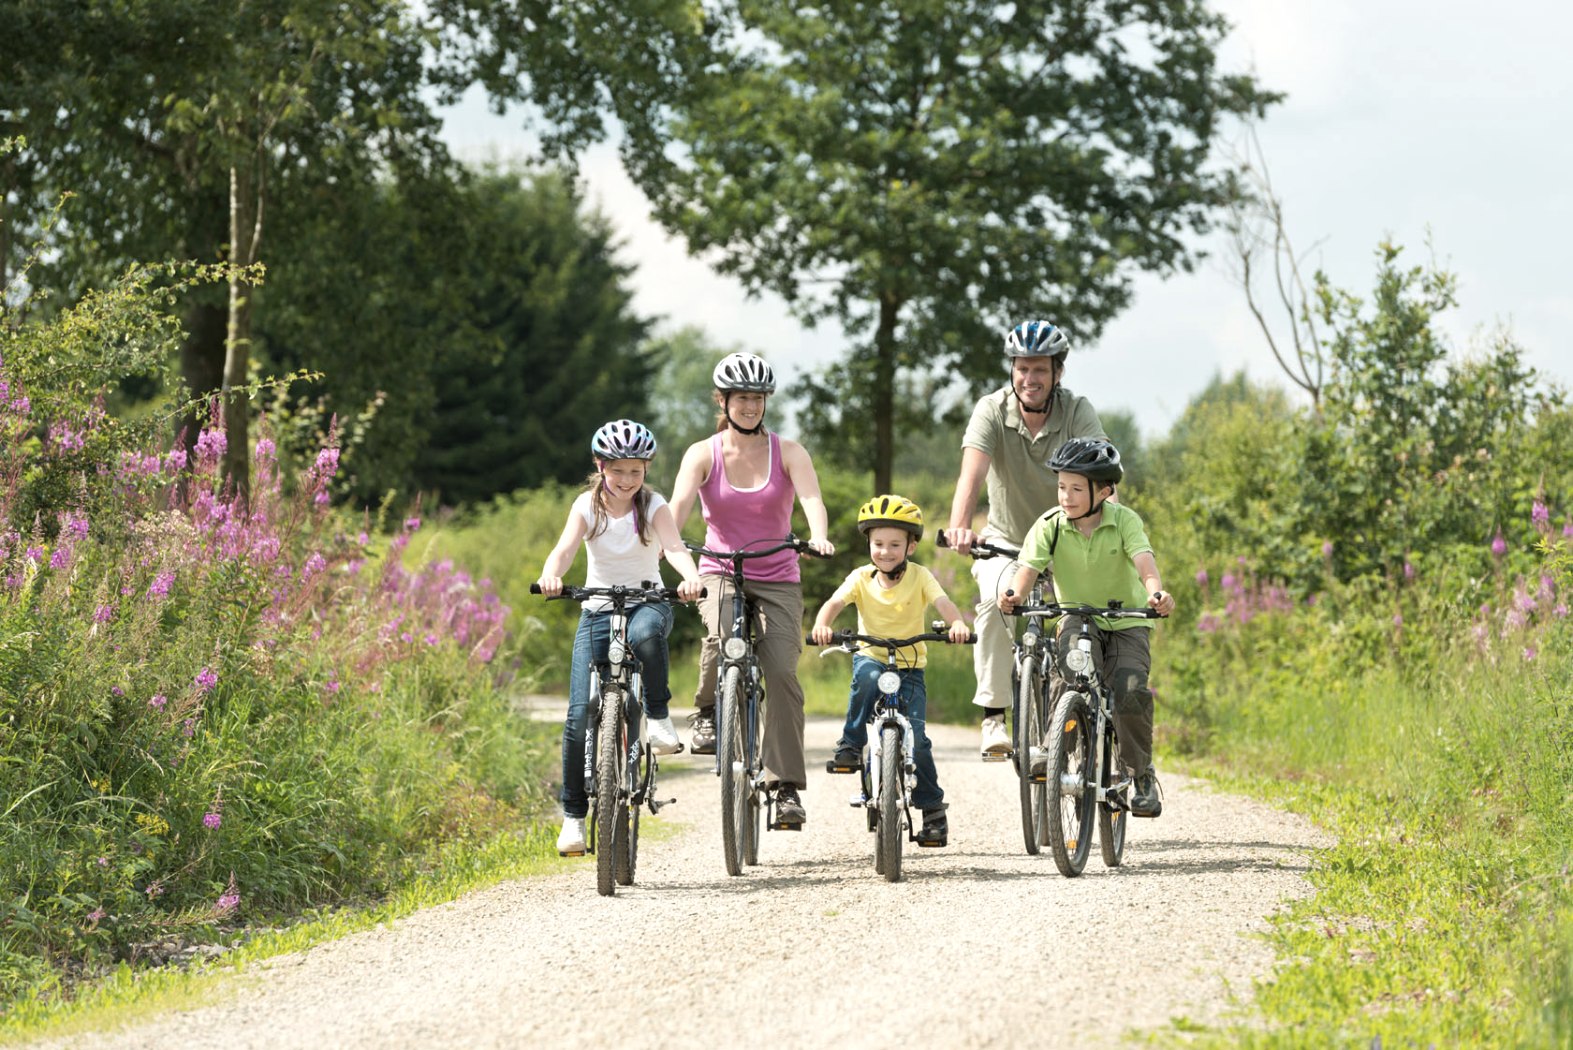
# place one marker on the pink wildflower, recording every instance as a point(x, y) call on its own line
point(157, 701)
point(1498, 544)
point(206, 679)
point(212, 820)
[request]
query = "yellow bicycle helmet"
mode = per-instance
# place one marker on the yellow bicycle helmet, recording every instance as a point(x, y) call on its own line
point(897, 511)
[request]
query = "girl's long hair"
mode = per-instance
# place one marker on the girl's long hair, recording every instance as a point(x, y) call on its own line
point(595, 484)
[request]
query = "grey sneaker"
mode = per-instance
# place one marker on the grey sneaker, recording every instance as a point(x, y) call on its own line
point(1148, 799)
point(701, 731)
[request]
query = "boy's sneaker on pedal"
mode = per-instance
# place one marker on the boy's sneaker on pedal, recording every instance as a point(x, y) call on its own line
point(1148, 799)
point(663, 736)
point(846, 760)
point(701, 731)
point(996, 741)
point(789, 808)
point(570, 840)
point(936, 829)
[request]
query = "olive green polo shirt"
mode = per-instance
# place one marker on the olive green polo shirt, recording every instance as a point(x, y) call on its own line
point(1094, 569)
point(1020, 484)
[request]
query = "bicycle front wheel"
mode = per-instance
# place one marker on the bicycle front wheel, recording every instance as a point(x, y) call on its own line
point(636, 756)
point(1070, 793)
point(735, 788)
point(890, 809)
point(1029, 742)
point(754, 814)
point(610, 807)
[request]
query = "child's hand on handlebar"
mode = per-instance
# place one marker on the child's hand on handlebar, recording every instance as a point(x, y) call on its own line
point(1162, 601)
point(822, 634)
point(1008, 602)
point(551, 586)
point(960, 633)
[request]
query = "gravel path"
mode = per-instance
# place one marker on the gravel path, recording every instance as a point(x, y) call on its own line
point(981, 945)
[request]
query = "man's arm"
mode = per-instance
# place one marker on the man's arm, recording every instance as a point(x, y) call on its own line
point(974, 469)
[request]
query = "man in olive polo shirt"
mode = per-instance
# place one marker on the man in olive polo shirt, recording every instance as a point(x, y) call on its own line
point(1013, 432)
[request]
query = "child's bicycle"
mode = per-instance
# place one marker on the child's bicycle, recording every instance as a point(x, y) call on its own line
point(1031, 670)
point(889, 757)
point(1075, 761)
point(619, 765)
point(740, 718)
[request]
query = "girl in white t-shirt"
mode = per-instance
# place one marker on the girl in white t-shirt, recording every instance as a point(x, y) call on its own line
point(625, 527)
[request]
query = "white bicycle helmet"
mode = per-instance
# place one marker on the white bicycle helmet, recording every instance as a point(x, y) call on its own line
point(1036, 339)
point(623, 439)
point(746, 372)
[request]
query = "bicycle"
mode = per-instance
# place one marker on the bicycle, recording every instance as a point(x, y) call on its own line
point(740, 718)
point(1078, 766)
point(619, 764)
point(889, 757)
point(1031, 668)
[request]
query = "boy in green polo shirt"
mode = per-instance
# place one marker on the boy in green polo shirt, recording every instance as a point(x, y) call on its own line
point(1100, 553)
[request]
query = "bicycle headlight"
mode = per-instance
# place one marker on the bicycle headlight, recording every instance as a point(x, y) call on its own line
point(889, 683)
point(1079, 661)
point(615, 652)
point(734, 648)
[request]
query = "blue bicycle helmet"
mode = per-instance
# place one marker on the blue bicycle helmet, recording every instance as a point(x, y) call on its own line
point(623, 439)
point(1036, 339)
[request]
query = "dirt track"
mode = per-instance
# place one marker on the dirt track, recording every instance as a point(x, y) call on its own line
point(981, 945)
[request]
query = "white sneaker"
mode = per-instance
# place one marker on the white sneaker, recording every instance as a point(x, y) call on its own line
point(570, 840)
point(663, 736)
point(996, 741)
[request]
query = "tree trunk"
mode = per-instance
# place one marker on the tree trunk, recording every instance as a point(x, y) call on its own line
point(245, 227)
point(884, 392)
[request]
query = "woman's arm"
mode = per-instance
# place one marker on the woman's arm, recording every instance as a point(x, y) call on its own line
point(800, 470)
point(693, 472)
point(676, 554)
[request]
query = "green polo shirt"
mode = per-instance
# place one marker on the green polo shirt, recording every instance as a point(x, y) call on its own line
point(1093, 569)
point(1020, 484)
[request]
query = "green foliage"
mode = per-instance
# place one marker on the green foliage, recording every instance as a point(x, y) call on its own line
point(955, 166)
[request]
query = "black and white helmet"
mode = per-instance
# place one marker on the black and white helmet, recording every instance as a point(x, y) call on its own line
point(1036, 339)
point(623, 439)
point(746, 372)
point(1094, 458)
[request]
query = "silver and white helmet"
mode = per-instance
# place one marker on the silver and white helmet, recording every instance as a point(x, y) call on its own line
point(746, 372)
point(1036, 339)
point(623, 439)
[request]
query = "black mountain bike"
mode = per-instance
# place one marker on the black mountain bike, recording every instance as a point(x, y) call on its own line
point(740, 718)
point(1031, 679)
point(619, 765)
point(890, 756)
point(1078, 766)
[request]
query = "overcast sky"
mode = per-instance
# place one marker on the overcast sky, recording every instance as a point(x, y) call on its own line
point(1402, 117)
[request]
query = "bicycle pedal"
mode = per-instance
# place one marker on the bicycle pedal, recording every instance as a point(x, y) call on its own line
point(932, 845)
point(570, 853)
point(780, 826)
point(832, 767)
point(994, 756)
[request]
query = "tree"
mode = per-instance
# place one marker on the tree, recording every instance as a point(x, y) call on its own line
point(928, 173)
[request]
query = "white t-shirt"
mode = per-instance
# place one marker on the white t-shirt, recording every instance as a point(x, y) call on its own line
point(616, 556)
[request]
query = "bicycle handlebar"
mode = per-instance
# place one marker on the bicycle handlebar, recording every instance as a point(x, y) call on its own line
point(980, 549)
point(646, 591)
point(740, 556)
point(1113, 611)
point(846, 637)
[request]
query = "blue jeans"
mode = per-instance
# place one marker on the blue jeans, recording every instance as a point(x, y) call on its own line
point(648, 626)
point(860, 708)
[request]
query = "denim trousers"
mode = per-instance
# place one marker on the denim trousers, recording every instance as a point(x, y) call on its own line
point(860, 708)
point(648, 626)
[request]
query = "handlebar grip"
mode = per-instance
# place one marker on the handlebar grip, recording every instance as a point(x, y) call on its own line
point(940, 539)
point(535, 588)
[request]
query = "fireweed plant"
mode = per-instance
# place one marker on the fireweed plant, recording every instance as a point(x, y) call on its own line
point(212, 712)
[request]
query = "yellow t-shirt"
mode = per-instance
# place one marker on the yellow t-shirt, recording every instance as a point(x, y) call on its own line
point(896, 612)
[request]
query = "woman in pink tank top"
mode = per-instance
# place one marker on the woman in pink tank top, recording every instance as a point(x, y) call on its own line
point(746, 478)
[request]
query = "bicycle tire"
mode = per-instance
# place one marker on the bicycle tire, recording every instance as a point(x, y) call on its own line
point(734, 769)
point(627, 849)
point(1028, 701)
point(1070, 802)
point(1113, 820)
point(608, 784)
point(890, 809)
point(754, 813)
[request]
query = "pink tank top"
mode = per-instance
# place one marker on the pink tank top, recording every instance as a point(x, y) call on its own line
point(736, 519)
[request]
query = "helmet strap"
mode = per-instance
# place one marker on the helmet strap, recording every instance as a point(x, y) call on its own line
point(1096, 507)
point(894, 574)
point(758, 428)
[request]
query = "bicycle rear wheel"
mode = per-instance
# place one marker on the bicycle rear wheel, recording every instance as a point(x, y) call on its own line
point(1070, 796)
point(609, 803)
point(890, 810)
point(1029, 738)
point(754, 814)
point(735, 788)
point(1113, 814)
